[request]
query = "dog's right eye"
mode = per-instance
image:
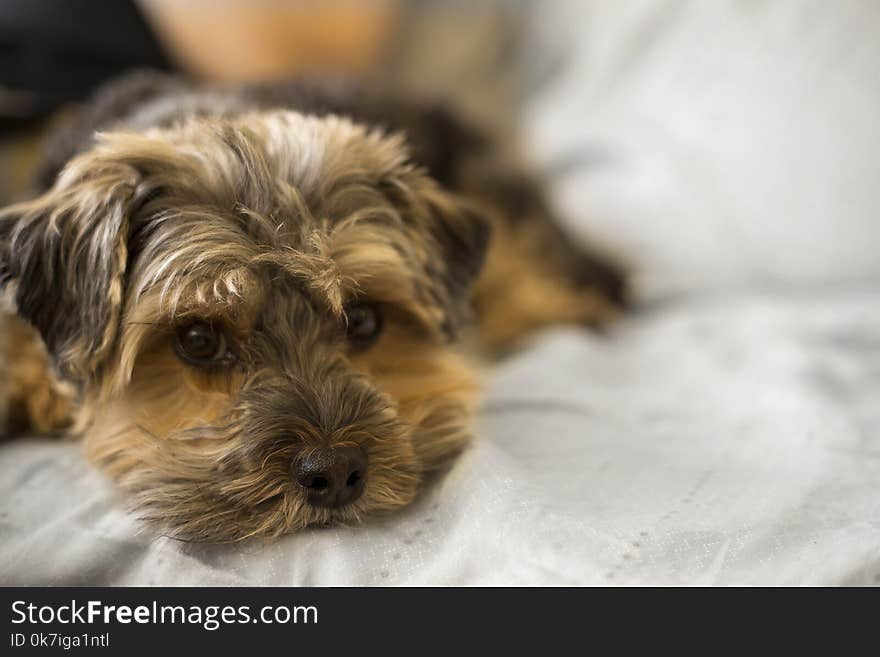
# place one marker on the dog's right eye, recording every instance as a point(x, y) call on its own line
point(363, 324)
point(200, 343)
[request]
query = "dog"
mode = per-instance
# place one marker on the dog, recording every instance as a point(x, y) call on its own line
point(251, 302)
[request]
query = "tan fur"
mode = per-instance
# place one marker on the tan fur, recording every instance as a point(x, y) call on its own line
point(267, 225)
point(520, 292)
point(34, 396)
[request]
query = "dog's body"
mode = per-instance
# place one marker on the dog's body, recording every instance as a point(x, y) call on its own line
point(250, 298)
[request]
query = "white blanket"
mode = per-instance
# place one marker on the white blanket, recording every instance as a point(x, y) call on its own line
point(724, 441)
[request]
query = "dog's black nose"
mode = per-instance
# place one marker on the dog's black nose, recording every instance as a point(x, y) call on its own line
point(333, 478)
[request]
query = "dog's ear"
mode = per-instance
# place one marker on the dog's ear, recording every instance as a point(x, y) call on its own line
point(455, 234)
point(63, 257)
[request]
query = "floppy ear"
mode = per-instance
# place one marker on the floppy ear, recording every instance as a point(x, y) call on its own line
point(455, 235)
point(64, 257)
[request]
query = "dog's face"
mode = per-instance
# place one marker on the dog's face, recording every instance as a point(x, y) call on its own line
point(259, 314)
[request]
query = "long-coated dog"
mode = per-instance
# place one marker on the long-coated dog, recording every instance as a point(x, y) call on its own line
point(249, 302)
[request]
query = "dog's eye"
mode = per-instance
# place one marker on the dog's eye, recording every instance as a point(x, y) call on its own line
point(364, 324)
point(200, 343)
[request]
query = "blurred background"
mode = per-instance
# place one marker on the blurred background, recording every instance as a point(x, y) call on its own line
point(53, 53)
point(710, 144)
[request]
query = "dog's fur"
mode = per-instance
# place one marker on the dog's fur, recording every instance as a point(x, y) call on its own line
point(266, 211)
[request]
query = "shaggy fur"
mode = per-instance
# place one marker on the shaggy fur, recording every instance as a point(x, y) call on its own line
point(229, 208)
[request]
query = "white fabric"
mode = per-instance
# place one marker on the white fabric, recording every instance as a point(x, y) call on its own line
point(719, 143)
point(723, 441)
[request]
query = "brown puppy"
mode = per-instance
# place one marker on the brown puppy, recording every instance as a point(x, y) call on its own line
point(250, 298)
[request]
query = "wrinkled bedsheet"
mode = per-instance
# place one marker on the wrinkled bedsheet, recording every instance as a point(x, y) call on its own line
point(718, 440)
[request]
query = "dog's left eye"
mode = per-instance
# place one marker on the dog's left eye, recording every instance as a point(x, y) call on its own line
point(200, 343)
point(364, 324)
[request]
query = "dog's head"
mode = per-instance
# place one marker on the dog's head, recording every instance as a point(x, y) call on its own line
point(258, 312)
